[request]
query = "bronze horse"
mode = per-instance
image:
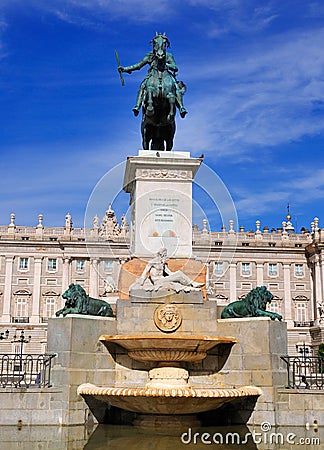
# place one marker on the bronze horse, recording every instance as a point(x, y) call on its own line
point(159, 95)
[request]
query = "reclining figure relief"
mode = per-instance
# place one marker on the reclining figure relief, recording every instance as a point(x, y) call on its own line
point(157, 275)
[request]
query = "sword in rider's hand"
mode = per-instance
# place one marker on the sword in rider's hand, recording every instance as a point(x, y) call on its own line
point(119, 71)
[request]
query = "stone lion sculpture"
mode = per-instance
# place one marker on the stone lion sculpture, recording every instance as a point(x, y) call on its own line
point(253, 305)
point(78, 302)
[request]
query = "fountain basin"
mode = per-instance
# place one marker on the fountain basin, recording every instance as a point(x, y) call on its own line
point(163, 348)
point(165, 400)
point(168, 391)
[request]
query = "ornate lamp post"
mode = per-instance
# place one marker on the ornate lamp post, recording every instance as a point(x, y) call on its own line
point(22, 340)
point(303, 350)
point(4, 335)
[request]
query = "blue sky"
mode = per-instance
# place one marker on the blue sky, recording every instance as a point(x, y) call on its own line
point(255, 94)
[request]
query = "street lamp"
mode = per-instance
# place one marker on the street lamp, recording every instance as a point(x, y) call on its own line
point(303, 350)
point(22, 340)
point(4, 335)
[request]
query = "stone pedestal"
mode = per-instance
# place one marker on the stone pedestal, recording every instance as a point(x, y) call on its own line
point(138, 315)
point(160, 186)
point(80, 359)
point(255, 360)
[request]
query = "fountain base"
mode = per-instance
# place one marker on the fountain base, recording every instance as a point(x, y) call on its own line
point(167, 400)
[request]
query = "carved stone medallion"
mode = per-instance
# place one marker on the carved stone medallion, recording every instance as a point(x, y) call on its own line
point(167, 317)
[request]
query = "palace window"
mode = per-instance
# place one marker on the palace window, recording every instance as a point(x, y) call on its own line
point(51, 264)
point(246, 269)
point(21, 307)
point(80, 264)
point(23, 263)
point(299, 270)
point(273, 307)
point(301, 311)
point(218, 268)
point(21, 303)
point(49, 307)
point(273, 269)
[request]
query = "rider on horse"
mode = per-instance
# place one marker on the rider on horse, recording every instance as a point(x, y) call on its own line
point(161, 62)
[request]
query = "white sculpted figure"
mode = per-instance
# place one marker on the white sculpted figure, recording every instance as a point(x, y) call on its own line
point(157, 275)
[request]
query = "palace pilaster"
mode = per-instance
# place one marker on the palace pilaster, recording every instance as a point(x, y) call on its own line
point(35, 317)
point(7, 289)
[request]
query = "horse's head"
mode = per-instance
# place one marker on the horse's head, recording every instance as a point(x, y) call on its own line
point(160, 43)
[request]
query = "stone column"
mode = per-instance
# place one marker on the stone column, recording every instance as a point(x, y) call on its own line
point(315, 314)
point(94, 279)
point(232, 273)
point(66, 273)
point(7, 289)
point(318, 287)
point(317, 284)
point(35, 318)
point(259, 274)
point(321, 263)
point(288, 316)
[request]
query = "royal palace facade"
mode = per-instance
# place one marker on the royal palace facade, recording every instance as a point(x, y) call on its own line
point(38, 263)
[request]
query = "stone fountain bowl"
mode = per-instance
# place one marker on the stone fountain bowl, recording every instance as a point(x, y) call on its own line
point(162, 348)
point(170, 401)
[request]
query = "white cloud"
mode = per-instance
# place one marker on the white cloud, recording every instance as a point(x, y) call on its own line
point(236, 16)
point(294, 185)
point(96, 12)
point(254, 204)
point(262, 96)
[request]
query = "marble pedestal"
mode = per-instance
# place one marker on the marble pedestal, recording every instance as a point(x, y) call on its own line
point(160, 189)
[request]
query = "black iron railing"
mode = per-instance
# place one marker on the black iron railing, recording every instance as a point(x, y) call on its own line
point(25, 370)
point(310, 323)
point(305, 372)
point(20, 319)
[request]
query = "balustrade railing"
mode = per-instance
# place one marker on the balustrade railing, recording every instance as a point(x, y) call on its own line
point(26, 370)
point(309, 323)
point(305, 372)
point(20, 319)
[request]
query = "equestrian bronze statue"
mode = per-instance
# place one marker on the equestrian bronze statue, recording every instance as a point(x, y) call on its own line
point(159, 95)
